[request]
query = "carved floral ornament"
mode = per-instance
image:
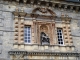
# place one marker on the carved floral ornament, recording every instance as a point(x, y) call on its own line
point(65, 18)
point(43, 10)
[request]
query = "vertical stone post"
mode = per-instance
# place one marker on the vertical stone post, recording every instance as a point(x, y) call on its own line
point(21, 27)
point(16, 27)
point(35, 32)
point(66, 30)
point(53, 32)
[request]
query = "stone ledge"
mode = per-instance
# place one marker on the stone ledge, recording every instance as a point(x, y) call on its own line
point(41, 45)
point(44, 53)
point(43, 48)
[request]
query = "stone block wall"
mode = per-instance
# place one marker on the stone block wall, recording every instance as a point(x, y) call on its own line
point(7, 28)
point(6, 31)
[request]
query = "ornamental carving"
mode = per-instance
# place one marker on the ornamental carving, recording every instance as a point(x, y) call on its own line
point(43, 10)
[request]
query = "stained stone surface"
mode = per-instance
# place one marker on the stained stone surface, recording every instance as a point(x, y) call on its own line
point(6, 32)
point(7, 28)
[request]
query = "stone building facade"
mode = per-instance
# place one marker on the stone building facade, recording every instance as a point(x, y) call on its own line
point(39, 29)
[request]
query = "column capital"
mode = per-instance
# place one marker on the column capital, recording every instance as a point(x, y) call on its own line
point(65, 18)
point(22, 14)
point(16, 14)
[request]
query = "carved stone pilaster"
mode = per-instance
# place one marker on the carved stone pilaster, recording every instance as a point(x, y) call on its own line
point(19, 25)
point(16, 26)
point(66, 29)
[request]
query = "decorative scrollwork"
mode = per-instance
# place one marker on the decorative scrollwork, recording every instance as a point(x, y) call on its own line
point(43, 10)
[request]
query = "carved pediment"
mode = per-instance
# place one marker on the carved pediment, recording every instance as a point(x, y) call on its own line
point(43, 11)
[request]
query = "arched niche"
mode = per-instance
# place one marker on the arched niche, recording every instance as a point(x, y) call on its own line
point(44, 35)
point(44, 28)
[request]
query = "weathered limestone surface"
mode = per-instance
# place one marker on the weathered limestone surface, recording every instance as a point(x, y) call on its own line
point(75, 26)
point(7, 27)
point(6, 32)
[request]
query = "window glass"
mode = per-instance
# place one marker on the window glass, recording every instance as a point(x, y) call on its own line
point(60, 36)
point(27, 34)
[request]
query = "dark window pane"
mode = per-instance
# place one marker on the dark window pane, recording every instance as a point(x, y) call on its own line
point(25, 40)
point(28, 41)
point(57, 33)
point(58, 39)
point(60, 36)
point(25, 37)
point(61, 42)
point(28, 37)
point(60, 33)
point(29, 31)
point(25, 34)
point(59, 30)
point(28, 34)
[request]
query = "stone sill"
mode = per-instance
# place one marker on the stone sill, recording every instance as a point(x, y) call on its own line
point(44, 45)
point(44, 48)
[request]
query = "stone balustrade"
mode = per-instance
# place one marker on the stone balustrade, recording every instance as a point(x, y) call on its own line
point(44, 48)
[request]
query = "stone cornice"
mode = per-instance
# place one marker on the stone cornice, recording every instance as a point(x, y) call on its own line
point(23, 14)
point(54, 4)
point(44, 53)
point(20, 14)
point(66, 19)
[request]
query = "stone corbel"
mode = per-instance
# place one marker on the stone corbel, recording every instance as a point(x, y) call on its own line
point(22, 14)
point(65, 18)
point(16, 12)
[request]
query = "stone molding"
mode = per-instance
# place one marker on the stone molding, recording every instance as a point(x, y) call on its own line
point(52, 4)
point(43, 53)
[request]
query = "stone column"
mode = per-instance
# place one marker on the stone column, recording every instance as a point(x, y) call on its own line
point(16, 27)
point(21, 27)
point(35, 31)
point(67, 30)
